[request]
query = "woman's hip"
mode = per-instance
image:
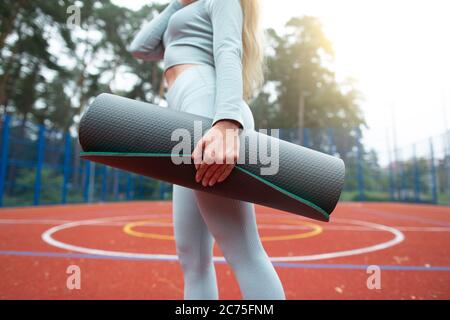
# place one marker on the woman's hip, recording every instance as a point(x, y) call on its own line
point(196, 81)
point(194, 91)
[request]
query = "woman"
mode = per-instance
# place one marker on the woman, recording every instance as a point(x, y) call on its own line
point(212, 61)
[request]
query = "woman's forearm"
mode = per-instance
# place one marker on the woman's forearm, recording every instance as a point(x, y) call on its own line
point(147, 44)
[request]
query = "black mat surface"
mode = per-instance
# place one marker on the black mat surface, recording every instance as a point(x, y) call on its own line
point(137, 137)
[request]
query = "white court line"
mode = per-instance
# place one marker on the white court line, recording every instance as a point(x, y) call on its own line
point(33, 221)
point(59, 221)
point(47, 237)
point(329, 227)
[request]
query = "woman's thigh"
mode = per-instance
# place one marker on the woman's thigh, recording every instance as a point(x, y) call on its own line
point(232, 223)
point(191, 233)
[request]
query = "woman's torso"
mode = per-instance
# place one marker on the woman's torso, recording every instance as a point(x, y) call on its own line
point(187, 40)
point(188, 43)
point(172, 73)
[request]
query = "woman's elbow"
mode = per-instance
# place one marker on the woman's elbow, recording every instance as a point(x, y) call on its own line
point(135, 50)
point(226, 51)
point(138, 52)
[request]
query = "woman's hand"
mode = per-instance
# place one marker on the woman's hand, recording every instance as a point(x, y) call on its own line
point(220, 150)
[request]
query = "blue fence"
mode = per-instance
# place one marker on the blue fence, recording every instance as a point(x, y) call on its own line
point(40, 165)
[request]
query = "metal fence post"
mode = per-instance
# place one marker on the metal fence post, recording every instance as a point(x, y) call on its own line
point(162, 190)
point(67, 167)
point(403, 196)
point(128, 189)
point(39, 165)
point(91, 194)
point(133, 187)
point(4, 156)
point(306, 137)
point(141, 187)
point(104, 185)
point(87, 175)
point(447, 162)
point(433, 174)
point(116, 184)
point(416, 176)
point(391, 182)
point(360, 170)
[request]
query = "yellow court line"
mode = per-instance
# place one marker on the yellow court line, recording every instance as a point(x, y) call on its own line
point(129, 229)
point(316, 229)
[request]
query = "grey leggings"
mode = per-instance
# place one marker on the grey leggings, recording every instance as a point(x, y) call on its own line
point(200, 218)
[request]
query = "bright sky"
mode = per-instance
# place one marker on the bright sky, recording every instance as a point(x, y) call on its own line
point(397, 50)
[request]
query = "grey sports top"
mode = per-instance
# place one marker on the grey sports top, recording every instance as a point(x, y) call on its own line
point(203, 32)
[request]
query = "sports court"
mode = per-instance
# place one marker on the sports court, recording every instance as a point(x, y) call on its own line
point(126, 251)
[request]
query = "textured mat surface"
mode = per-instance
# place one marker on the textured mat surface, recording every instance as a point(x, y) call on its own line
point(137, 137)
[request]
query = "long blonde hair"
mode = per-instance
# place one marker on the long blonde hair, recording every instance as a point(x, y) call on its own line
point(253, 49)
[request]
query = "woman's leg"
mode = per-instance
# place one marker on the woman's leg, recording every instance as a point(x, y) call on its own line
point(194, 245)
point(231, 222)
point(233, 225)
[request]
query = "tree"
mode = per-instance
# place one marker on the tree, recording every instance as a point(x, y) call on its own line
point(25, 33)
point(307, 93)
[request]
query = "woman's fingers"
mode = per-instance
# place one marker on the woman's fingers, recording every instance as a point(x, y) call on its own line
point(217, 175)
point(209, 173)
point(200, 172)
point(215, 155)
point(197, 154)
point(208, 160)
point(226, 172)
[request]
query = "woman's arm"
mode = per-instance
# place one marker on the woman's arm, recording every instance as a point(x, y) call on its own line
point(147, 43)
point(216, 153)
point(227, 21)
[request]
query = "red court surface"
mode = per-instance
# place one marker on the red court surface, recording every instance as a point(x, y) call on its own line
point(126, 251)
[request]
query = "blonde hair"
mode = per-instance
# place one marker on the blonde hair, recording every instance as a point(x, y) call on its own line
point(253, 49)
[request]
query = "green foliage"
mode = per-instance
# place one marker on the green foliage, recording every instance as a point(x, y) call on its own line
point(23, 191)
point(298, 67)
point(49, 71)
point(53, 86)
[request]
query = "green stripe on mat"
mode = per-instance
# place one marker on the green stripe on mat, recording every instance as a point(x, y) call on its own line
point(137, 154)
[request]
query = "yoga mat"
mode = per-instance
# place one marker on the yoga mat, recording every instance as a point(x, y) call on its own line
point(137, 137)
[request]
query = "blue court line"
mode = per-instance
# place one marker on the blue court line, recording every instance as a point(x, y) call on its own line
point(358, 266)
point(277, 264)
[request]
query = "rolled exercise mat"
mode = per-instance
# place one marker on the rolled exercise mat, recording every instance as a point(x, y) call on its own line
point(137, 137)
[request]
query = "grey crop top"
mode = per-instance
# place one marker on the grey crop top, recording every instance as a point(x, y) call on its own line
point(203, 32)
